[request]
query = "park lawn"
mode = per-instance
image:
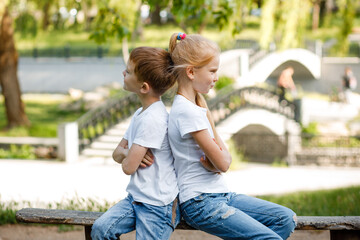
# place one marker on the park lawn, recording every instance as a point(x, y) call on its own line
point(45, 114)
point(335, 202)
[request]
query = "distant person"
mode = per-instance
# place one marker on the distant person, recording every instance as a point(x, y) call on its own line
point(349, 83)
point(286, 82)
point(151, 206)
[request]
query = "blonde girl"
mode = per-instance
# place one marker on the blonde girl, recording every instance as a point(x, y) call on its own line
point(201, 156)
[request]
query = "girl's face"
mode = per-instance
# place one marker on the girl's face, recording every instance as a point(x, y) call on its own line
point(131, 82)
point(206, 76)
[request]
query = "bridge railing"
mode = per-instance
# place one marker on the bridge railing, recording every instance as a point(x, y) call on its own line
point(226, 104)
point(95, 122)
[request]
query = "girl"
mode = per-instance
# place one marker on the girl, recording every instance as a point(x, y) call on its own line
point(201, 156)
point(151, 206)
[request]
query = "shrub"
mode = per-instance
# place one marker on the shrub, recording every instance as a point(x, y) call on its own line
point(223, 82)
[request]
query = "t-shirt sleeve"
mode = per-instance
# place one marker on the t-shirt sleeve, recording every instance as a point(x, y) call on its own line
point(126, 135)
point(151, 133)
point(192, 120)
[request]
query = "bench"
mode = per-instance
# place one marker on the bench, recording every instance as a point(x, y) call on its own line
point(341, 227)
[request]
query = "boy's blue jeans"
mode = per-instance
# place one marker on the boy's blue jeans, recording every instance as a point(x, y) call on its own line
point(150, 222)
point(237, 216)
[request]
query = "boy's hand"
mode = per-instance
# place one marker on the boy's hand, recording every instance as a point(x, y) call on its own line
point(148, 159)
point(208, 165)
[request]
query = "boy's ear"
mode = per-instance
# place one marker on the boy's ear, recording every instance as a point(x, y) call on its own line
point(190, 72)
point(145, 88)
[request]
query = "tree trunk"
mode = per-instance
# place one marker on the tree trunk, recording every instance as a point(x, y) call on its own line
point(316, 15)
point(15, 110)
point(155, 15)
point(46, 21)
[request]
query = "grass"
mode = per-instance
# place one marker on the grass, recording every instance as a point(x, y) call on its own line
point(45, 112)
point(336, 202)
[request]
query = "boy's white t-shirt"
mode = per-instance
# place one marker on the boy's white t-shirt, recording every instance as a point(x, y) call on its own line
point(193, 179)
point(156, 184)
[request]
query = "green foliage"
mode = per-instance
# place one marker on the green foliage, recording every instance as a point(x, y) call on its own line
point(115, 19)
point(347, 14)
point(7, 212)
point(337, 202)
point(196, 15)
point(8, 209)
point(26, 25)
point(267, 23)
point(222, 14)
point(311, 129)
point(223, 81)
point(20, 152)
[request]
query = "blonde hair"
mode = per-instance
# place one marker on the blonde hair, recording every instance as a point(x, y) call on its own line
point(193, 50)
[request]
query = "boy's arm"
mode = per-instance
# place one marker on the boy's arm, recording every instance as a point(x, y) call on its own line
point(121, 151)
point(135, 156)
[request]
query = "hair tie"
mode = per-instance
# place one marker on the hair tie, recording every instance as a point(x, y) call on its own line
point(181, 36)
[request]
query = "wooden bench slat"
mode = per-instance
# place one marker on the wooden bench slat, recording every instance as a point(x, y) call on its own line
point(328, 223)
point(71, 217)
point(55, 216)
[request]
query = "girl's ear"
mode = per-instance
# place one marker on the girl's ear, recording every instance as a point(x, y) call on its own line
point(145, 88)
point(190, 72)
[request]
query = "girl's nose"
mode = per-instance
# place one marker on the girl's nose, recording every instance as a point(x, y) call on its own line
point(216, 77)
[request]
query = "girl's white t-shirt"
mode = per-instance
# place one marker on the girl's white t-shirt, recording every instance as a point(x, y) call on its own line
point(156, 184)
point(193, 179)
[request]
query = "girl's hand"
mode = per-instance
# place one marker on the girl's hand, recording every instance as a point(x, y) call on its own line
point(208, 165)
point(148, 159)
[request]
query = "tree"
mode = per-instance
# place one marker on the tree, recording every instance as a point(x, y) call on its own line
point(267, 25)
point(155, 8)
point(116, 19)
point(347, 13)
point(316, 14)
point(14, 106)
point(196, 15)
point(284, 22)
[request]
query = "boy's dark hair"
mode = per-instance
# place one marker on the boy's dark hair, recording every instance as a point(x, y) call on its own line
point(154, 66)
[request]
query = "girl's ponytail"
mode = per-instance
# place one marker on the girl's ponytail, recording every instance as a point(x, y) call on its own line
point(172, 43)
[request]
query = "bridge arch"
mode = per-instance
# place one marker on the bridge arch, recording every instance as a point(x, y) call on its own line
point(238, 61)
point(280, 134)
point(272, 147)
point(276, 123)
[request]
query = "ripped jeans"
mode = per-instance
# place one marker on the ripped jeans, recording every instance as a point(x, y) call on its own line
point(237, 216)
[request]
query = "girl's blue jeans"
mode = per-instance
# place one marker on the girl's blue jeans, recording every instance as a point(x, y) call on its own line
point(150, 222)
point(237, 216)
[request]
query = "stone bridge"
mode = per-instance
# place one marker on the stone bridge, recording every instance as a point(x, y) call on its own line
point(249, 68)
point(255, 120)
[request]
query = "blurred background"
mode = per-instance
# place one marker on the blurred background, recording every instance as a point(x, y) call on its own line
point(287, 100)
